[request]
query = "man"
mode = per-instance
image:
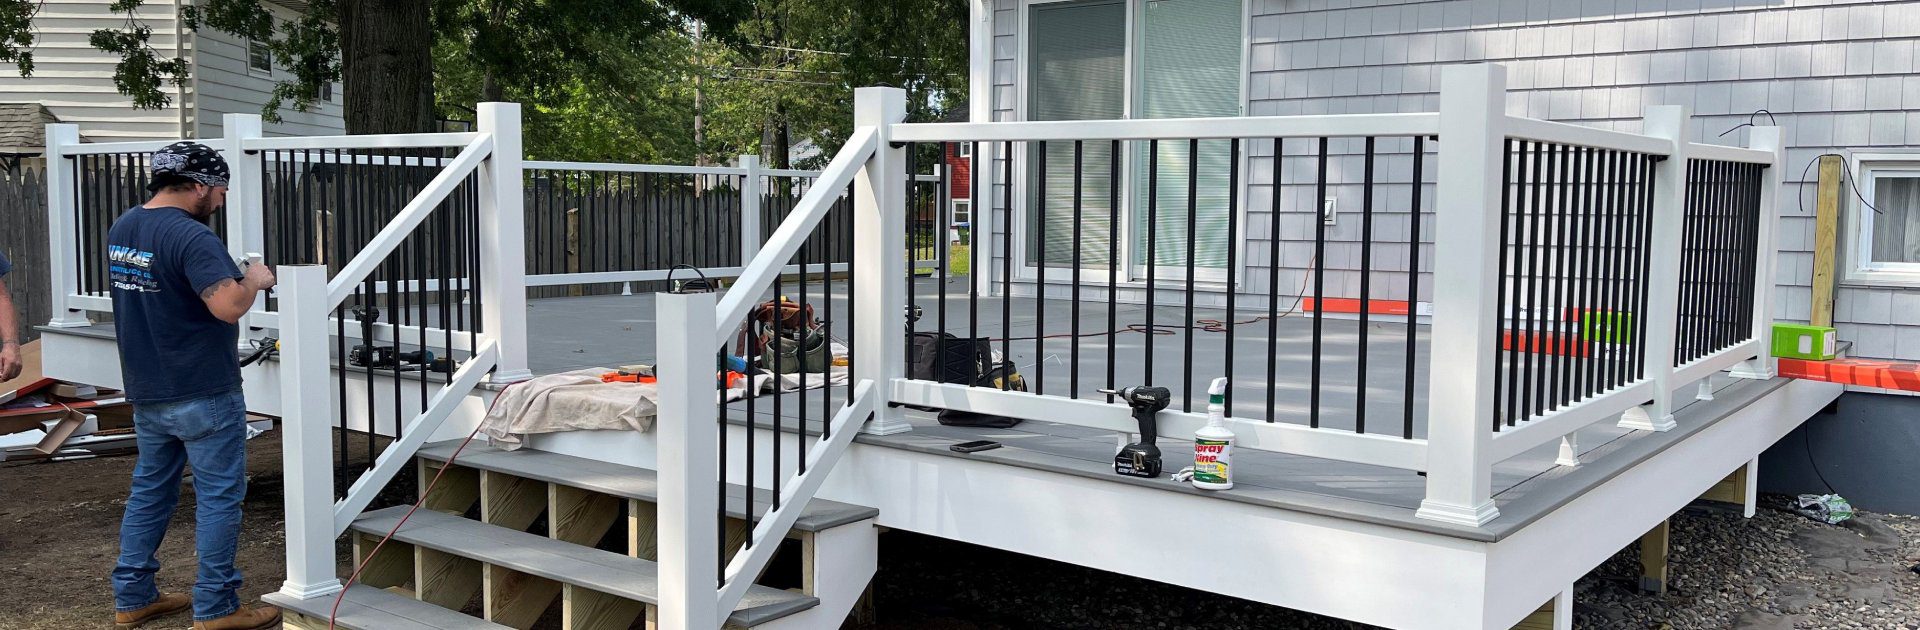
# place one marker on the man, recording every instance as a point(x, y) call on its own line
point(176, 299)
point(9, 326)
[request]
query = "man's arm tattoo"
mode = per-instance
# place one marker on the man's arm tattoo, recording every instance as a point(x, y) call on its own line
point(207, 293)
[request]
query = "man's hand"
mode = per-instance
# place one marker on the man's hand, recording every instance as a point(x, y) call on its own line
point(259, 277)
point(10, 364)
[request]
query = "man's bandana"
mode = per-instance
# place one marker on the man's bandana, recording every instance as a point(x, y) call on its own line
point(190, 160)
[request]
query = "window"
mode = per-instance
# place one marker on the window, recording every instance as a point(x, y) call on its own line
point(962, 213)
point(326, 91)
point(1885, 246)
point(259, 59)
point(1116, 59)
point(965, 149)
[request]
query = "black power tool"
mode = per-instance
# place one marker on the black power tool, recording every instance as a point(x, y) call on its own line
point(1142, 458)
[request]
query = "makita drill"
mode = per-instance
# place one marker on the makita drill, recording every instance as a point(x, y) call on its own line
point(1142, 458)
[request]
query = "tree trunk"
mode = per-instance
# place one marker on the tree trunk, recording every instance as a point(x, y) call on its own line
point(386, 59)
point(782, 140)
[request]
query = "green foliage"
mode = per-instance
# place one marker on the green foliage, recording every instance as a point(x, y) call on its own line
point(141, 70)
point(16, 33)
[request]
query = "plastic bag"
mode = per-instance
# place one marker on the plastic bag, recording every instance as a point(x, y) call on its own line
point(1826, 508)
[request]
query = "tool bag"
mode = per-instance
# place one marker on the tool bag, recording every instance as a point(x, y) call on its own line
point(781, 336)
point(808, 353)
point(944, 358)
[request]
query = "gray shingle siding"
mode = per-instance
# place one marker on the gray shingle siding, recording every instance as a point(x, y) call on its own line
point(1839, 76)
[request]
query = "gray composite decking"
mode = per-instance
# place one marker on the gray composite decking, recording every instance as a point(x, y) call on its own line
point(369, 608)
point(624, 481)
point(602, 571)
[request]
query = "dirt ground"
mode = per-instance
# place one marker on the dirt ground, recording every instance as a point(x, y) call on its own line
point(59, 535)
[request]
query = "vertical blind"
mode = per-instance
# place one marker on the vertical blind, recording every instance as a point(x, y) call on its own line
point(1077, 71)
point(1896, 229)
point(1189, 67)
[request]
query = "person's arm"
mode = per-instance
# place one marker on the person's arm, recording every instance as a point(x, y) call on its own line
point(10, 364)
point(227, 291)
point(228, 299)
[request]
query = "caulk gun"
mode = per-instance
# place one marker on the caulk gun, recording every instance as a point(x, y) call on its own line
point(1142, 458)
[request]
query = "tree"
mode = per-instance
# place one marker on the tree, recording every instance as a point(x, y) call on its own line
point(381, 49)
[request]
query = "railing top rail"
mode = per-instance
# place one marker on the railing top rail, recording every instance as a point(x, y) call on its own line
point(554, 165)
point(1338, 125)
point(1580, 135)
point(788, 172)
point(1728, 154)
point(380, 141)
point(139, 146)
point(352, 158)
point(786, 239)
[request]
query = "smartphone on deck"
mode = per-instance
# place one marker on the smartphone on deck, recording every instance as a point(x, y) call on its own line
point(974, 446)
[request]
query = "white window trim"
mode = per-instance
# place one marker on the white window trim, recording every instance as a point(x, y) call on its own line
point(1133, 274)
point(1856, 260)
point(954, 210)
point(963, 150)
point(268, 72)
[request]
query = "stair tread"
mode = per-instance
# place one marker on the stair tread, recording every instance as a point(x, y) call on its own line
point(369, 608)
point(603, 571)
point(626, 481)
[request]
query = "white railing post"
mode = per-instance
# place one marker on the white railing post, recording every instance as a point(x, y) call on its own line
point(1667, 122)
point(879, 256)
point(1765, 139)
point(63, 227)
point(751, 192)
point(503, 247)
point(246, 200)
point(688, 447)
point(1465, 321)
point(306, 424)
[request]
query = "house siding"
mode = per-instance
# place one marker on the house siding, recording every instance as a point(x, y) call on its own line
point(1839, 76)
point(226, 87)
point(75, 81)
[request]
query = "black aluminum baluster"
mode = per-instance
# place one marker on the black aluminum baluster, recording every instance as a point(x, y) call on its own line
point(1319, 285)
point(1413, 281)
point(942, 247)
point(1114, 262)
point(1153, 250)
point(1193, 267)
point(1006, 264)
point(1073, 275)
point(1503, 380)
point(1360, 397)
point(1273, 279)
point(1040, 270)
point(1233, 260)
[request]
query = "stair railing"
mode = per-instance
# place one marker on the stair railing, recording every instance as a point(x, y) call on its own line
point(698, 586)
point(313, 350)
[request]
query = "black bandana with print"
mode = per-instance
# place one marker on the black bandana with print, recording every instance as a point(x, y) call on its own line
point(190, 160)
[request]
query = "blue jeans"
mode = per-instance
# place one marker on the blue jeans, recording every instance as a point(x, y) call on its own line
point(210, 434)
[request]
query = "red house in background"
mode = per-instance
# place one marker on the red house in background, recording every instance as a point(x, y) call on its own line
point(960, 185)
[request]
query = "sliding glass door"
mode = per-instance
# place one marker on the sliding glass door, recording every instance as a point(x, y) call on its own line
point(1076, 71)
point(1189, 67)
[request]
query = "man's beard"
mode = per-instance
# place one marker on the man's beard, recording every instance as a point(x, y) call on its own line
point(202, 210)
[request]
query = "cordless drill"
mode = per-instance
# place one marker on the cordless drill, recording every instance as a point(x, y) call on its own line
point(1142, 458)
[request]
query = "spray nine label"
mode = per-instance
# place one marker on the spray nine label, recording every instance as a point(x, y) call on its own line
point(1210, 460)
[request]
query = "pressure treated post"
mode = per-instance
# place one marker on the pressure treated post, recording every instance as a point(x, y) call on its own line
point(688, 449)
point(751, 192)
point(879, 253)
point(1465, 321)
point(1668, 122)
point(1761, 365)
point(63, 227)
point(306, 431)
point(246, 200)
point(503, 247)
point(1826, 230)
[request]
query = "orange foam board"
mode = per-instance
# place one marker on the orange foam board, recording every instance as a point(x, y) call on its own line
point(1864, 372)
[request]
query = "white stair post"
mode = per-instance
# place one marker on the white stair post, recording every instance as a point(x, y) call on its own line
point(1768, 139)
point(751, 192)
point(688, 449)
point(246, 201)
point(63, 226)
point(1461, 406)
point(1667, 122)
point(306, 426)
point(880, 256)
point(503, 247)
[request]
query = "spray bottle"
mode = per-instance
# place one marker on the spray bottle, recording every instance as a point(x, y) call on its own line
point(1213, 444)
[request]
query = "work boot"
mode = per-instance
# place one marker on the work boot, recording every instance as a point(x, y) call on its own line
point(248, 617)
point(162, 606)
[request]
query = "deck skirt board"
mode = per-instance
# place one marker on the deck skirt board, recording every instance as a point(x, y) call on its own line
point(621, 481)
point(585, 567)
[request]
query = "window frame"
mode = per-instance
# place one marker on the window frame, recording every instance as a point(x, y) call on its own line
point(1857, 259)
point(954, 211)
point(1132, 273)
point(265, 52)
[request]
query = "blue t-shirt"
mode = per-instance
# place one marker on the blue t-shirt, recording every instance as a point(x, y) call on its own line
point(171, 346)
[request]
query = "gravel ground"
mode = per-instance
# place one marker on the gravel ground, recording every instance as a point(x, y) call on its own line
point(1777, 570)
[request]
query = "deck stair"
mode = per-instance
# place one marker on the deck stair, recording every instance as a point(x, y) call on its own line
point(505, 538)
